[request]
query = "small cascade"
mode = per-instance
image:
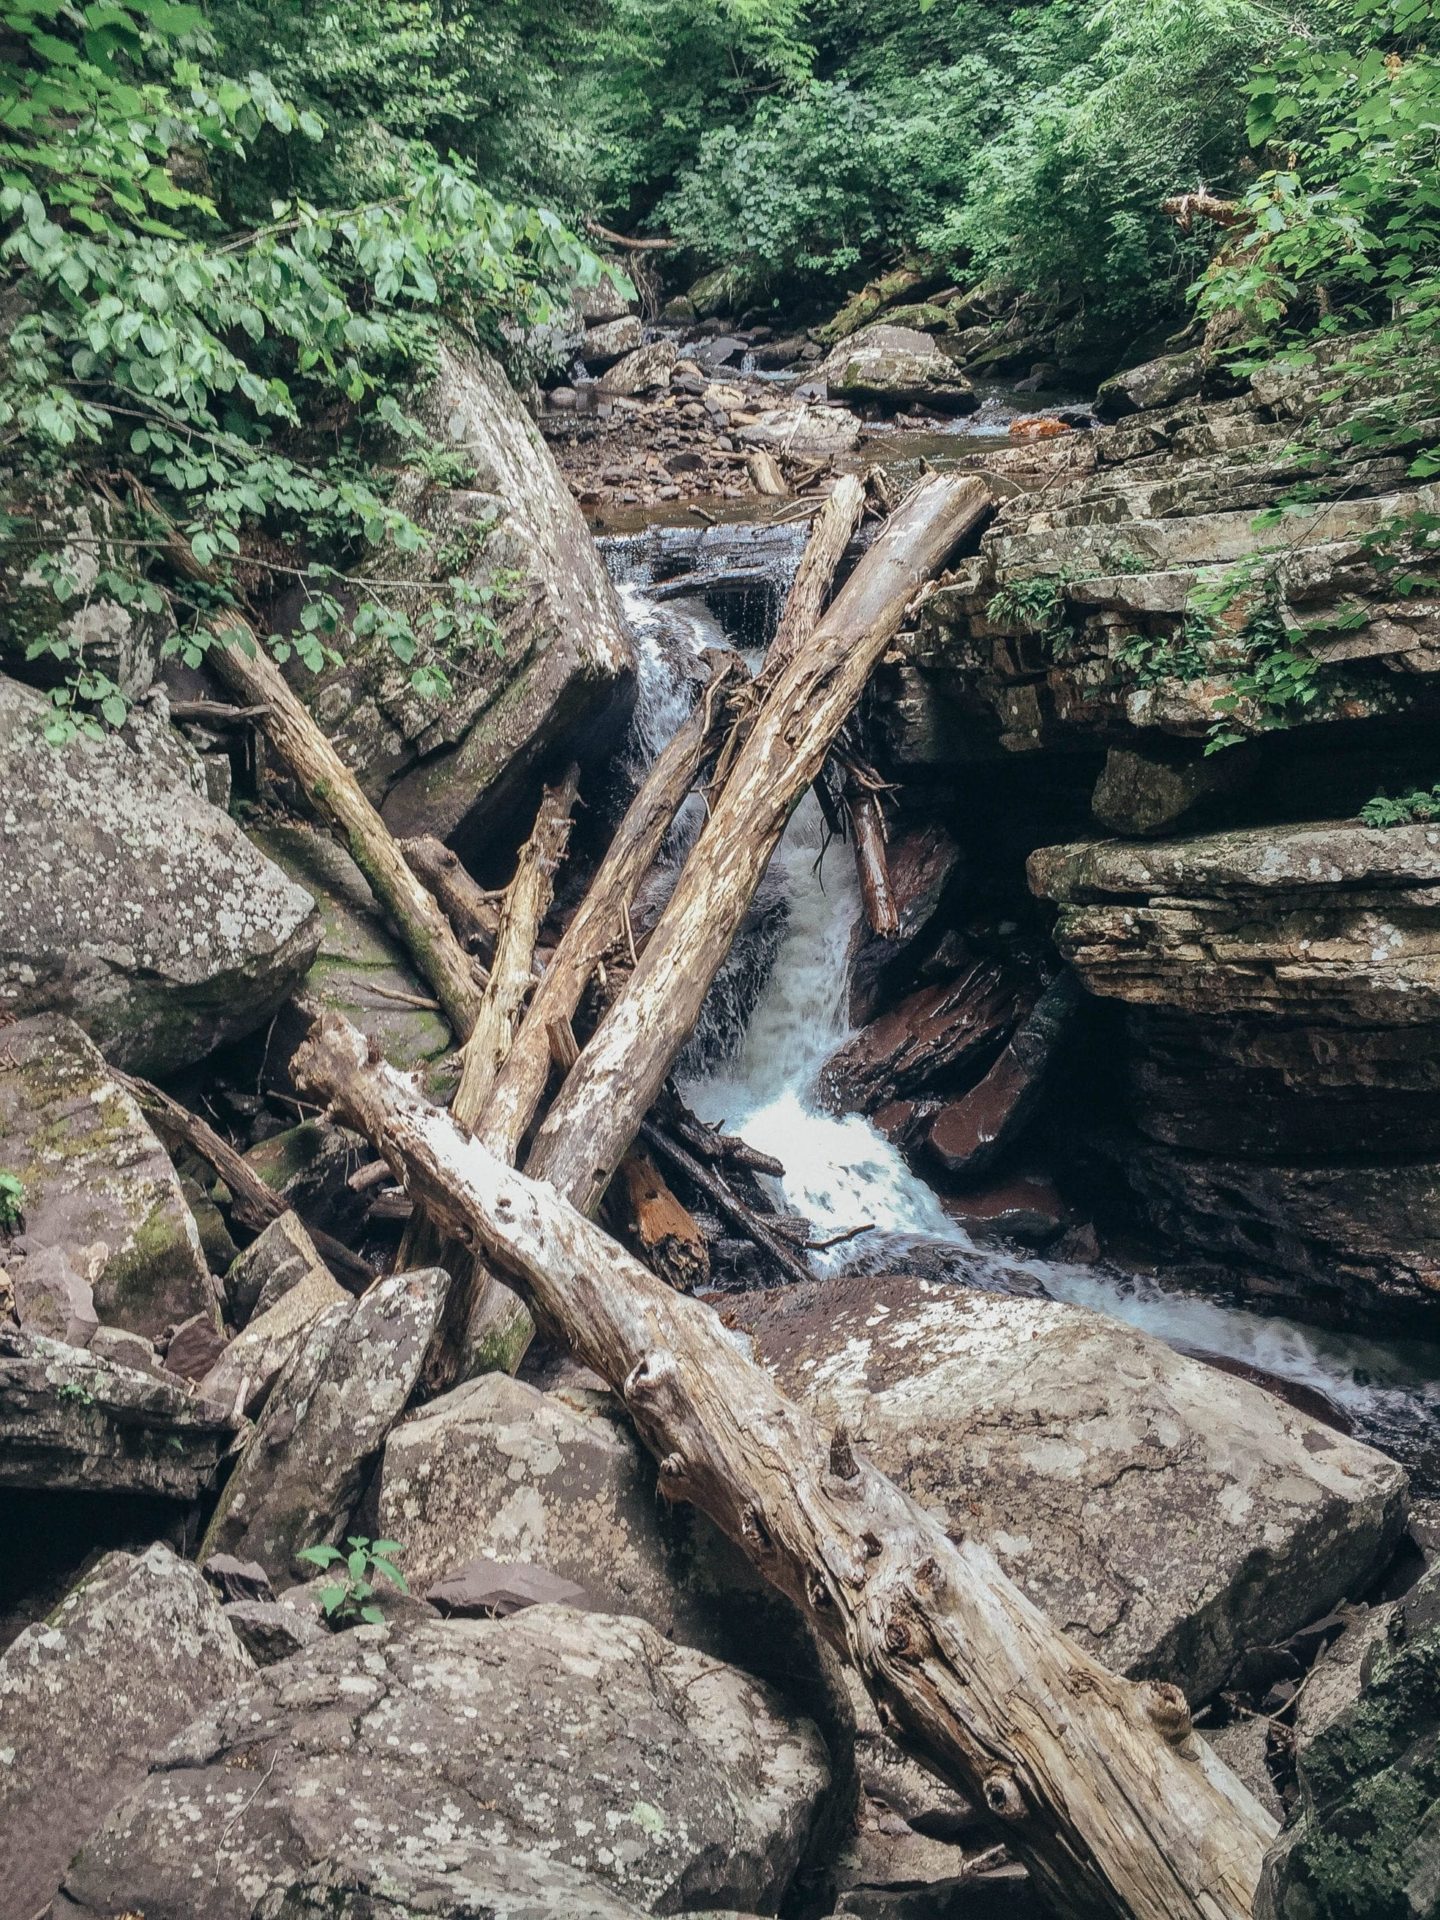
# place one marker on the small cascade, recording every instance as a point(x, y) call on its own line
point(779, 1010)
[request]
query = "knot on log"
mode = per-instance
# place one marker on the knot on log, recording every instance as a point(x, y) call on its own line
point(1002, 1795)
point(648, 1375)
point(897, 1636)
point(1169, 1711)
point(672, 1469)
point(755, 1531)
point(842, 1456)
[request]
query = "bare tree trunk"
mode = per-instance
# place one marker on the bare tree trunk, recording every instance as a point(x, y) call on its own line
point(335, 794)
point(1100, 1785)
point(867, 826)
point(834, 528)
point(471, 911)
point(613, 1084)
point(765, 474)
point(660, 1226)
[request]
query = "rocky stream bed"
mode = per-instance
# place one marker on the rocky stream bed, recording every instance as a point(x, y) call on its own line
point(1113, 1168)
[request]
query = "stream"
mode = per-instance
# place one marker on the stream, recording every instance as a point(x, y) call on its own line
point(755, 1062)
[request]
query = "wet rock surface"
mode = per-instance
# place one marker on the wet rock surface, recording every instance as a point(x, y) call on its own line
point(130, 902)
point(1165, 1515)
point(684, 1782)
point(91, 1696)
point(99, 1189)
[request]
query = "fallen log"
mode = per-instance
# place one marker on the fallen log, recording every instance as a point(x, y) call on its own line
point(834, 528)
point(247, 669)
point(765, 474)
point(251, 1201)
point(664, 1231)
point(471, 911)
point(1099, 1784)
point(867, 831)
point(612, 1086)
point(718, 1190)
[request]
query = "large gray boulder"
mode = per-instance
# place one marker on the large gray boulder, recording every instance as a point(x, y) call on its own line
point(897, 367)
point(497, 1469)
point(90, 1696)
point(560, 667)
point(98, 1185)
point(325, 1422)
point(81, 1422)
point(421, 1748)
point(130, 902)
point(1166, 1515)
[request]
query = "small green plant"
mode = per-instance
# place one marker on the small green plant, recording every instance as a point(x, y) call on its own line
point(12, 1202)
point(1402, 809)
point(1038, 606)
point(75, 1394)
point(351, 1595)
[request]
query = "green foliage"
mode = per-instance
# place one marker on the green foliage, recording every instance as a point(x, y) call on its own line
point(1402, 809)
point(1038, 606)
point(350, 1597)
point(170, 355)
point(12, 1202)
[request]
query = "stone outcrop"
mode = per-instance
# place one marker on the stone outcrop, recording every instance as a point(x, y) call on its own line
point(98, 1186)
point(1364, 1843)
point(79, 1421)
point(645, 370)
point(559, 669)
point(897, 367)
point(130, 902)
point(1164, 1514)
point(1281, 990)
point(244, 1373)
point(325, 1421)
point(89, 1697)
point(579, 1742)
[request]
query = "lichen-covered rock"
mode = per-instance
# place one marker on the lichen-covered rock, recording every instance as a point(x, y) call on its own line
point(443, 1748)
point(646, 369)
point(510, 1883)
point(89, 1697)
point(98, 1184)
point(80, 1421)
point(561, 666)
point(53, 1297)
point(556, 1480)
point(1364, 1843)
point(325, 1422)
point(896, 367)
point(1164, 1514)
point(244, 1373)
point(278, 1259)
point(606, 342)
point(1155, 383)
point(817, 433)
point(130, 902)
point(308, 1166)
point(361, 969)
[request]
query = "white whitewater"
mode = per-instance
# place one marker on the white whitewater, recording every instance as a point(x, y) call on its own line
point(842, 1174)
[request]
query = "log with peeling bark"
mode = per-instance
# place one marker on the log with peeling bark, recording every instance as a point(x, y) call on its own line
point(612, 1086)
point(247, 669)
point(867, 829)
point(657, 1224)
point(834, 528)
point(1099, 1784)
point(472, 912)
point(717, 1189)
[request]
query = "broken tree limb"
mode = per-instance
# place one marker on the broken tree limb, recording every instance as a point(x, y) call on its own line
point(765, 474)
point(867, 830)
point(472, 912)
point(247, 669)
point(252, 1202)
point(665, 1232)
point(834, 528)
point(717, 1189)
point(612, 1086)
point(1099, 1784)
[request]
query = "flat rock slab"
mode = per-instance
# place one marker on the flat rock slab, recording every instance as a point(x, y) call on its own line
point(74, 1420)
point(89, 1697)
point(98, 1184)
point(440, 1748)
point(325, 1422)
point(1166, 1515)
point(129, 901)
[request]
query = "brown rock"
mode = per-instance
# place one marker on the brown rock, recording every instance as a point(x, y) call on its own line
point(194, 1347)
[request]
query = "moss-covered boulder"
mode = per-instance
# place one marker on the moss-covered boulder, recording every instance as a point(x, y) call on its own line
point(97, 1183)
point(898, 367)
point(1365, 1840)
point(130, 902)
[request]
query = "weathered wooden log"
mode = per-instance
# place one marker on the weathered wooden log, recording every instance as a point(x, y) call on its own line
point(711, 1143)
point(765, 474)
point(247, 669)
point(1100, 1784)
point(867, 831)
point(718, 1190)
point(251, 1201)
point(663, 1230)
point(472, 912)
point(614, 1083)
point(834, 528)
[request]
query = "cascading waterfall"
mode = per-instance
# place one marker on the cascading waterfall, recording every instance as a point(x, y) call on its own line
point(757, 1072)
